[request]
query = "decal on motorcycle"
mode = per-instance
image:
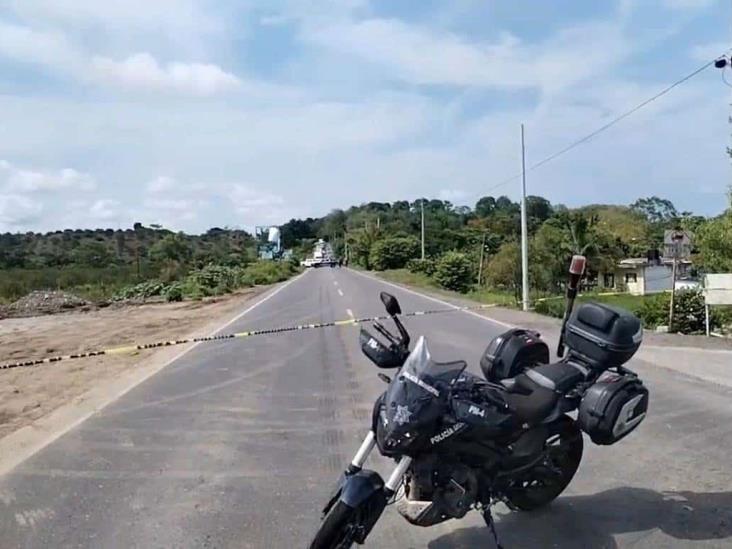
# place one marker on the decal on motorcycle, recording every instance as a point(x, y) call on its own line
point(476, 411)
point(373, 344)
point(439, 437)
point(627, 419)
point(402, 415)
point(414, 379)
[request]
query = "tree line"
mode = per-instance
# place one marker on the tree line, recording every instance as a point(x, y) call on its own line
point(463, 244)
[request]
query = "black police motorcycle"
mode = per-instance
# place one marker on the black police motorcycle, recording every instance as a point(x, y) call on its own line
point(463, 442)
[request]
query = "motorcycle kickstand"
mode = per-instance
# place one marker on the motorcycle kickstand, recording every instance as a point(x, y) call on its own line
point(491, 524)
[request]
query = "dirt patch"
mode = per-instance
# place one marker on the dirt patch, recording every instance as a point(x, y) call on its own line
point(27, 394)
point(43, 302)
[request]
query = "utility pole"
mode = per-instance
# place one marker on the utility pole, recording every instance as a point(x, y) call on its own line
point(421, 201)
point(676, 252)
point(524, 229)
point(480, 265)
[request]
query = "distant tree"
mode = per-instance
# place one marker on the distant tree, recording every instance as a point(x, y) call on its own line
point(504, 268)
point(505, 204)
point(538, 208)
point(172, 247)
point(655, 209)
point(393, 252)
point(92, 254)
point(714, 242)
point(454, 271)
point(485, 206)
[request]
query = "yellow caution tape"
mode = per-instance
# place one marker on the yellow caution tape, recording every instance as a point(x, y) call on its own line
point(144, 346)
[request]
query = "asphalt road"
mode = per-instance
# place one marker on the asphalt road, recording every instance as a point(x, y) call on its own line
point(237, 443)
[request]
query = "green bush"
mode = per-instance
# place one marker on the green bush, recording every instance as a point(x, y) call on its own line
point(426, 266)
point(689, 315)
point(143, 290)
point(551, 307)
point(211, 280)
point(653, 311)
point(393, 252)
point(266, 272)
point(174, 292)
point(454, 272)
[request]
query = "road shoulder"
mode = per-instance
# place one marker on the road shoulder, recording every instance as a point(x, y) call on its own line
point(708, 359)
point(29, 439)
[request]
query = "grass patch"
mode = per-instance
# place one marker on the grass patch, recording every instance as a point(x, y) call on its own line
point(421, 280)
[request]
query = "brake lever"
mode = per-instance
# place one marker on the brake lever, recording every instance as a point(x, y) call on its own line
point(383, 331)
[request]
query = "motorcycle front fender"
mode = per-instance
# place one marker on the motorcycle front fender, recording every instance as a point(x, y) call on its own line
point(364, 492)
point(362, 487)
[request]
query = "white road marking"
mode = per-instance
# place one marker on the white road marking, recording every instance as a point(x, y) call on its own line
point(340, 292)
point(350, 313)
point(473, 313)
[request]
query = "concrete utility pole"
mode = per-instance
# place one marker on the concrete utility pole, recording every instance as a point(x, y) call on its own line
point(421, 201)
point(480, 265)
point(676, 252)
point(524, 229)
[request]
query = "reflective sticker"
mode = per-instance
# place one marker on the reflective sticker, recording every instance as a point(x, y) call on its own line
point(402, 415)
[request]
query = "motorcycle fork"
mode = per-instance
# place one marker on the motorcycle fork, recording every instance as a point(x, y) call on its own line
point(362, 454)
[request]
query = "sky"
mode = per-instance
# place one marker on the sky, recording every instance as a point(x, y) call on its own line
point(201, 113)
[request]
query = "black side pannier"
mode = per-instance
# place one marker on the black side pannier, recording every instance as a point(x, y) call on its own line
point(508, 354)
point(613, 407)
point(603, 336)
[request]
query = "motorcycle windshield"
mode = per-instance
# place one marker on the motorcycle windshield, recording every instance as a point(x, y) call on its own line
point(417, 397)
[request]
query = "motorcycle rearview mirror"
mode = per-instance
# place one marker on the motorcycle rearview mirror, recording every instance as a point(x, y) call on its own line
point(576, 271)
point(391, 304)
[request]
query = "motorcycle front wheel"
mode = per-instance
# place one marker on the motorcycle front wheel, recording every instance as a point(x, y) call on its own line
point(337, 529)
point(547, 479)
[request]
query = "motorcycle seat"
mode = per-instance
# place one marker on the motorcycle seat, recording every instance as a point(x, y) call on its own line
point(533, 407)
point(533, 394)
point(560, 376)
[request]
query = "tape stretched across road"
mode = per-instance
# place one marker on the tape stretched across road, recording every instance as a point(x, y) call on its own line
point(144, 346)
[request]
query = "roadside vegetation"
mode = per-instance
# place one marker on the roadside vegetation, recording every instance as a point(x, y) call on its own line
point(476, 251)
point(134, 264)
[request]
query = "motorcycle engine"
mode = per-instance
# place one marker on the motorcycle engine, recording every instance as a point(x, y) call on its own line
point(437, 492)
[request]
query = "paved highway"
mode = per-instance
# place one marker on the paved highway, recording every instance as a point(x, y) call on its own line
point(237, 443)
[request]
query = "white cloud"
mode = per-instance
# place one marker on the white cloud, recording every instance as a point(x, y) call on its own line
point(49, 48)
point(453, 195)
point(424, 55)
point(247, 199)
point(105, 209)
point(710, 50)
point(14, 179)
point(161, 184)
point(142, 71)
point(17, 211)
point(689, 4)
point(257, 206)
point(183, 18)
point(185, 207)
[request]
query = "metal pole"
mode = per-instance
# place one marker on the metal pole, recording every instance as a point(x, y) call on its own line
point(706, 312)
point(480, 265)
point(524, 229)
point(673, 292)
point(421, 201)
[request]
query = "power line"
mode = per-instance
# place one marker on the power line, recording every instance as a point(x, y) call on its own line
point(609, 124)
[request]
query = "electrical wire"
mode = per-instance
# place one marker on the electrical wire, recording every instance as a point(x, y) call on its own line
point(611, 123)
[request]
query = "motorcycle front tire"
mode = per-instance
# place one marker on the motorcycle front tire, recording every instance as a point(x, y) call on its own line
point(335, 530)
